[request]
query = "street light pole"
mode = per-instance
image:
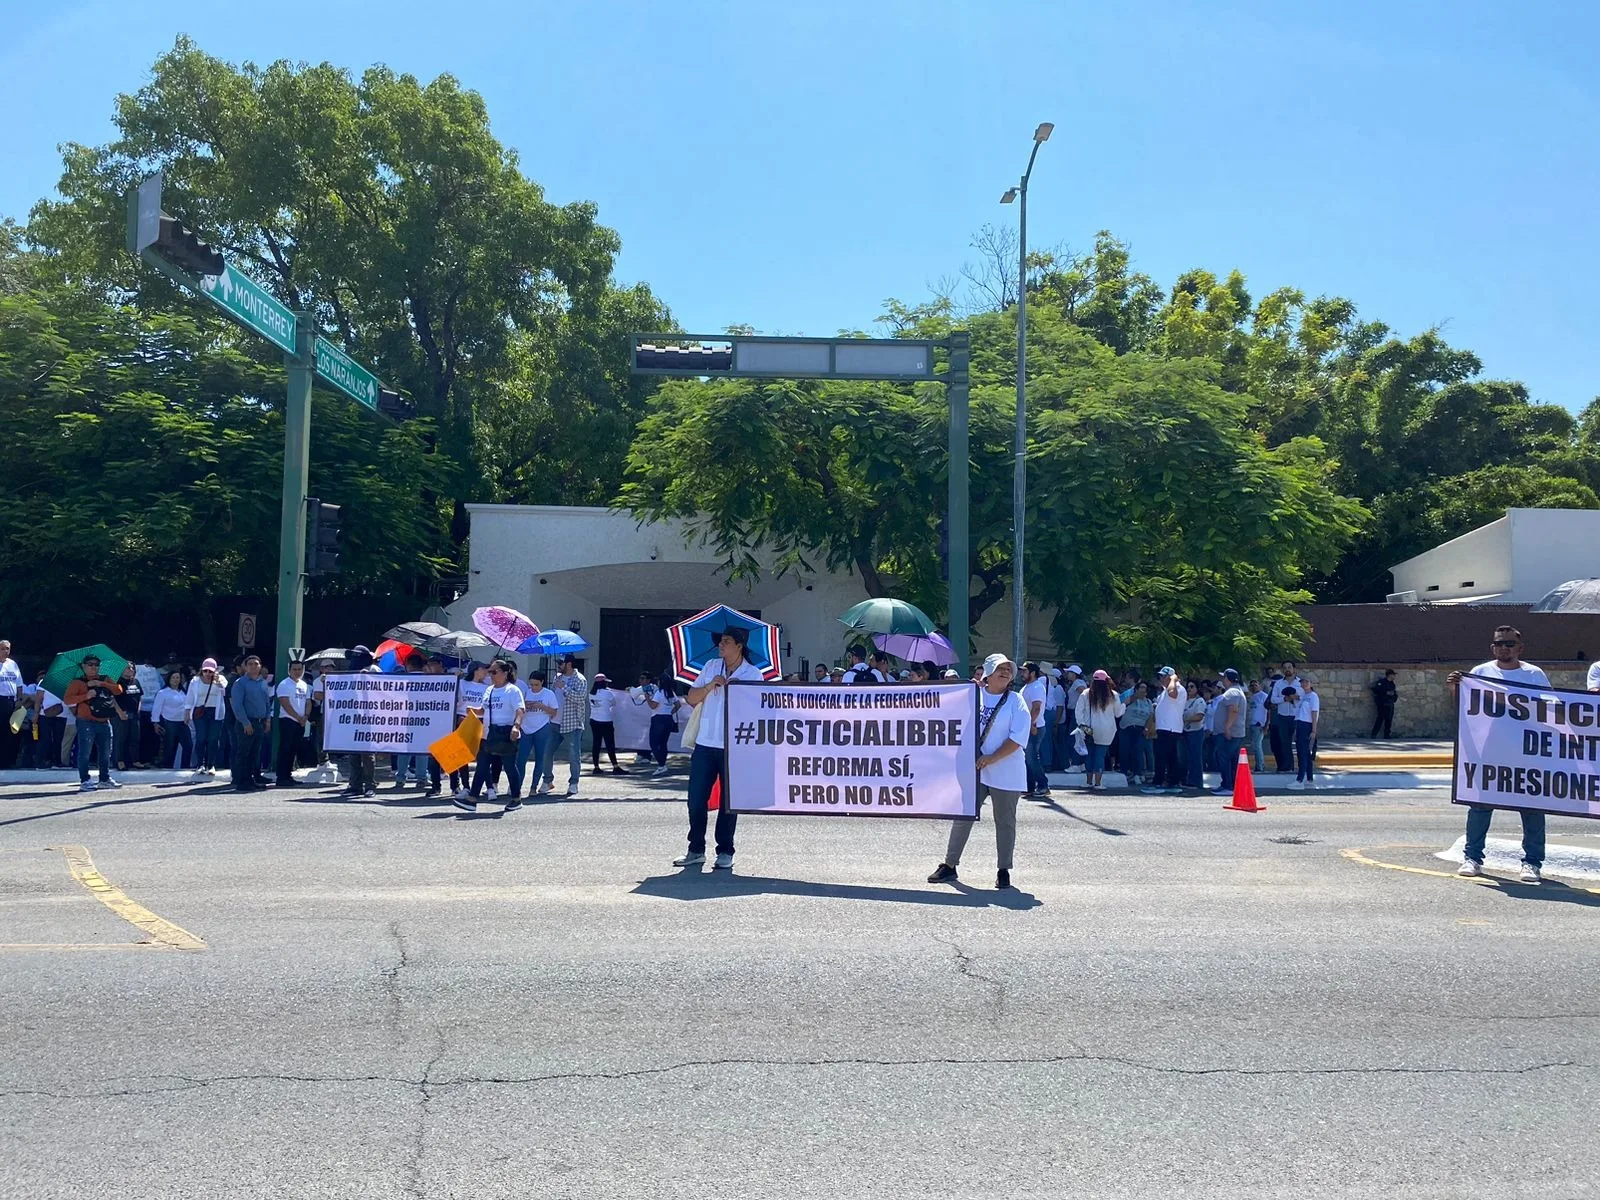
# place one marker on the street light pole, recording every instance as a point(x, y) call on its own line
point(1019, 481)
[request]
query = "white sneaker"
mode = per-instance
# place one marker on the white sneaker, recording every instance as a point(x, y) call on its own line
point(689, 860)
point(658, 773)
point(1470, 869)
point(113, 782)
point(198, 777)
point(488, 793)
point(88, 785)
point(724, 862)
point(545, 787)
point(573, 790)
point(1297, 785)
point(455, 792)
point(1531, 874)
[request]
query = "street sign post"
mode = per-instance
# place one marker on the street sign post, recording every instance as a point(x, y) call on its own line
point(349, 376)
point(247, 302)
point(247, 631)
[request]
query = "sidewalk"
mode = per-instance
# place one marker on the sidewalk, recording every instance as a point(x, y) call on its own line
point(1392, 754)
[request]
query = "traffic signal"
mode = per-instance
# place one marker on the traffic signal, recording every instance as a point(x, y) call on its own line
point(682, 360)
point(322, 537)
point(392, 404)
point(180, 246)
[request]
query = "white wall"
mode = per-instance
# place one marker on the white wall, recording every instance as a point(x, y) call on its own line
point(1550, 546)
point(1482, 557)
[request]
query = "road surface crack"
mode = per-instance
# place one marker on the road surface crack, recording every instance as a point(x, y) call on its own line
point(965, 968)
point(428, 1087)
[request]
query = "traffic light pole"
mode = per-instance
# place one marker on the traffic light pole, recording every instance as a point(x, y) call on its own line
point(296, 477)
point(957, 392)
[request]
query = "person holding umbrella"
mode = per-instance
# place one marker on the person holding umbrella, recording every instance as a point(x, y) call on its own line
point(93, 698)
point(733, 663)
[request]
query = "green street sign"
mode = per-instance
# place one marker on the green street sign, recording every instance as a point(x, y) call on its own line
point(251, 304)
point(349, 376)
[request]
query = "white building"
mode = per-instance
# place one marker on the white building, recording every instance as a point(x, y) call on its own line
point(620, 585)
point(1514, 560)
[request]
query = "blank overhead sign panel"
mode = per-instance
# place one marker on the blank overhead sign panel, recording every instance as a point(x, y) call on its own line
point(781, 357)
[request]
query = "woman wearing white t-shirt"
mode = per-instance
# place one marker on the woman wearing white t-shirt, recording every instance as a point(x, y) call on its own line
point(1004, 725)
point(1307, 716)
point(538, 744)
point(208, 705)
point(469, 694)
point(662, 699)
point(603, 723)
point(171, 713)
point(502, 718)
point(732, 664)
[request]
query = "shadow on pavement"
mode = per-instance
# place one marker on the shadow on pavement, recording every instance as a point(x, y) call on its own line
point(1550, 891)
point(1055, 806)
point(693, 884)
point(170, 788)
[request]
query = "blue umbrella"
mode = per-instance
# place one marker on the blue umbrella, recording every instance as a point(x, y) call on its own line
point(554, 641)
point(694, 642)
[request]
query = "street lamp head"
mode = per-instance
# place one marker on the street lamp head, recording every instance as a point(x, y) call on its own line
point(1011, 194)
point(1042, 134)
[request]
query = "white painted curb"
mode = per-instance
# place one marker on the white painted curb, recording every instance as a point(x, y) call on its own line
point(1501, 854)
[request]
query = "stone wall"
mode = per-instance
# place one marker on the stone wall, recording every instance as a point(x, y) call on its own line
point(1425, 708)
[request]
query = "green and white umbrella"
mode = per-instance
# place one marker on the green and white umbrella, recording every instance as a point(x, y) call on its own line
point(884, 615)
point(68, 665)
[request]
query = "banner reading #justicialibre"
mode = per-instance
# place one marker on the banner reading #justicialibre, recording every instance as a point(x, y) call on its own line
point(897, 750)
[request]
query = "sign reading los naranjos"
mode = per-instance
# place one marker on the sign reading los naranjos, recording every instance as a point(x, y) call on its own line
point(905, 750)
point(1523, 746)
point(387, 714)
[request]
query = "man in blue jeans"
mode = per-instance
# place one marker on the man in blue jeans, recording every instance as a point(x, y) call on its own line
point(1034, 691)
point(574, 689)
point(1506, 665)
point(251, 701)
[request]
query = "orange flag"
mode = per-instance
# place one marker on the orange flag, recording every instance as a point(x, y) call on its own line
point(459, 749)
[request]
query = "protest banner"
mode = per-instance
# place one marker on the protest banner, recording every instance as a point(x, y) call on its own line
point(387, 714)
point(1523, 746)
point(632, 718)
point(901, 750)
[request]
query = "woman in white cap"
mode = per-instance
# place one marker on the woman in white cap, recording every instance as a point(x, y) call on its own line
point(1004, 724)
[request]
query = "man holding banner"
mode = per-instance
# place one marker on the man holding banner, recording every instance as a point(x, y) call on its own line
point(1004, 726)
point(1506, 666)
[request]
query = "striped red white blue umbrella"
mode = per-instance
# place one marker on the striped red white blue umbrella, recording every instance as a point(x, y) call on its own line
point(694, 642)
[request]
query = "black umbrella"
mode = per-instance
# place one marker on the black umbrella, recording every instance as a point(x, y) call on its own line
point(416, 633)
point(455, 644)
point(334, 653)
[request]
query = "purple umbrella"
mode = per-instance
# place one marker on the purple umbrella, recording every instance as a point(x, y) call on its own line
point(505, 627)
point(935, 648)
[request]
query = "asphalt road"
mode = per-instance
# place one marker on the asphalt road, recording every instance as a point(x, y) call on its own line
point(389, 1000)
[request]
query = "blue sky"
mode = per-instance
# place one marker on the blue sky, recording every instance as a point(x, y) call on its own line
point(790, 166)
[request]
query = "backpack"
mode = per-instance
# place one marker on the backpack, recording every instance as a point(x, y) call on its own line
point(102, 704)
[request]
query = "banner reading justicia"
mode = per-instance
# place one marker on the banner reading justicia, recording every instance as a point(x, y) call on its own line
point(900, 750)
point(1523, 746)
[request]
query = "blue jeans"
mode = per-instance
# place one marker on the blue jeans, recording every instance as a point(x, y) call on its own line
point(661, 727)
point(207, 739)
point(1478, 818)
point(1256, 760)
point(705, 767)
point(1228, 750)
point(1305, 757)
point(94, 741)
point(1097, 757)
point(573, 742)
point(1194, 746)
point(175, 735)
point(1037, 782)
point(415, 764)
point(1130, 751)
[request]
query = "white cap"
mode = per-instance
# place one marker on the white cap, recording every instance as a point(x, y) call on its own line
point(1074, 668)
point(994, 662)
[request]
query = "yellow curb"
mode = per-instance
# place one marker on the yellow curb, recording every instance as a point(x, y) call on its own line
point(1359, 855)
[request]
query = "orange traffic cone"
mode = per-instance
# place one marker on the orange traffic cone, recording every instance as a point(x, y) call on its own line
point(1244, 787)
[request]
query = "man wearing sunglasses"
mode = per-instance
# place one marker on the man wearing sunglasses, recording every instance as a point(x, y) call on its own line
point(1506, 665)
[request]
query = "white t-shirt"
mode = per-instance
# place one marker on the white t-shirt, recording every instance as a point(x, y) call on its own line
point(1258, 708)
point(171, 705)
point(1594, 676)
point(44, 700)
point(1308, 708)
point(711, 708)
point(662, 703)
point(1010, 724)
point(602, 705)
point(1034, 693)
point(297, 692)
point(10, 679)
point(1284, 707)
point(213, 695)
point(500, 704)
point(1526, 673)
point(1169, 709)
point(1055, 696)
point(469, 695)
point(536, 719)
